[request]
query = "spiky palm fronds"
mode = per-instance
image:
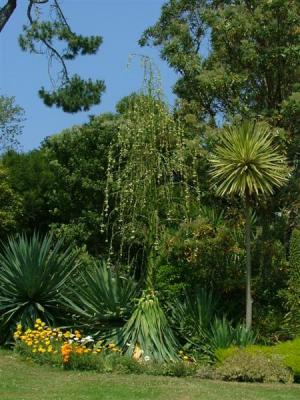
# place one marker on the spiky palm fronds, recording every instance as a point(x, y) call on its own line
point(103, 300)
point(247, 161)
point(33, 273)
point(148, 331)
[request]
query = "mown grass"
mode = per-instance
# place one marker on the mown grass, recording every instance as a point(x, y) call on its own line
point(23, 380)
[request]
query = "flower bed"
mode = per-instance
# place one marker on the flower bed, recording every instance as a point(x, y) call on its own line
point(72, 350)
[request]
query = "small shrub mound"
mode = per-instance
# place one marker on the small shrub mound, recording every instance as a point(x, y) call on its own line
point(288, 351)
point(244, 366)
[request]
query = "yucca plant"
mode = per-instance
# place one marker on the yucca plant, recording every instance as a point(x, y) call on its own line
point(192, 317)
point(197, 321)
point(102, 299)
point(247, 163)
point(147, 333)
point(33, 274)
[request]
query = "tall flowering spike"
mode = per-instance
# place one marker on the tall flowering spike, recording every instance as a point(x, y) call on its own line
point(148, 176)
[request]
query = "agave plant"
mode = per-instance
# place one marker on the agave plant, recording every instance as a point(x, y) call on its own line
point(147, 333)
point(33, 274)
point(103, 300)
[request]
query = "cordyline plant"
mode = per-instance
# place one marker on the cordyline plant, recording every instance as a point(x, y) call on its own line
point(148, 186)
point(247, 163)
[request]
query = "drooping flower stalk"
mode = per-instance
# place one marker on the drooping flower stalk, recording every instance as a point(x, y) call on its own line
point(149, 181)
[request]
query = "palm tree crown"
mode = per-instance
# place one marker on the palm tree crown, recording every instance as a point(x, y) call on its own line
point(247, 162)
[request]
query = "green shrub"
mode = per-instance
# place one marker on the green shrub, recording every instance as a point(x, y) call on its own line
point(33, 274)
point(196, 321)
point(222, 354)
point(104, 363)
point(244, 366)
point(102, 299)
point(292, 294)
point(177, 368)
point(289, 352)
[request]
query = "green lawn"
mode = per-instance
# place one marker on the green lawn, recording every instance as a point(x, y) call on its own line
point(20, 380)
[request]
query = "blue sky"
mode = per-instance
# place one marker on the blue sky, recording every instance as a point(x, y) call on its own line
point(120, 23)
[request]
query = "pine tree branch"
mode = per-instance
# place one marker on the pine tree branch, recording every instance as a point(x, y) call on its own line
point(6, 12)
point(53, 51)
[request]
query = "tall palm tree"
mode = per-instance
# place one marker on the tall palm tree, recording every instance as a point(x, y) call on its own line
point(246, 162)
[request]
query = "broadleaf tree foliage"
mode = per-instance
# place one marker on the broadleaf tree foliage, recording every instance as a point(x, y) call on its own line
point(55, 38)
point(11, 118)
point(252, 63)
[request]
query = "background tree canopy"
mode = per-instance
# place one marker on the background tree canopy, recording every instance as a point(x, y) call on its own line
point(135, 186)
point(11, 118)
point(253, 59)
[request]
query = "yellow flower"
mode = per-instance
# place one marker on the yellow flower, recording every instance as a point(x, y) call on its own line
point(50, 349)
point(19, 327)
point(77, 334)
point(41, 350)
point(38, 321)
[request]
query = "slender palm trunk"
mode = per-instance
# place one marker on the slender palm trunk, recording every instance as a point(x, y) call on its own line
point(248, 265)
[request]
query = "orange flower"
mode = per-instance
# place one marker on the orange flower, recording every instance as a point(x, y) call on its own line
point(65, 350)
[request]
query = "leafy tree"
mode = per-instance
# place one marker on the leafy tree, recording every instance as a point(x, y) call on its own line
point(10, 206)
point(238, 59)
point(11, 118)
point(199, 253)
point(30, 176)
point(78, 160)
point(247, 163)
point(233, 57)
point(71, 93)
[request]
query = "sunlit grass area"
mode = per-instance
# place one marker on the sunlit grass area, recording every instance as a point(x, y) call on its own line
point(22, 380)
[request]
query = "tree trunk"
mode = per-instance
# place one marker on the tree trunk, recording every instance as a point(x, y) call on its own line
point(248, 265)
